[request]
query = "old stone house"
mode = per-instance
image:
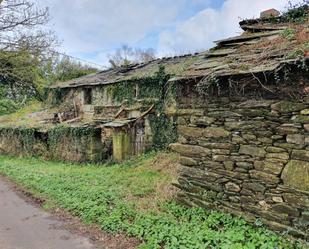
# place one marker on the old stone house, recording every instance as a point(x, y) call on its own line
point(237, 114)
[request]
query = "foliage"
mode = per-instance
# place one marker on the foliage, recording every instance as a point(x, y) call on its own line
point(27, 63)
point(154, 88)
point(296, 12)
point(18, 75)
point(20, 116)
point(64, 68)
point(164, 130)
point(102, 195)
point(288, 33)
point(126, 55)
point(59, 132)
point(24, 136)
point(7, 106)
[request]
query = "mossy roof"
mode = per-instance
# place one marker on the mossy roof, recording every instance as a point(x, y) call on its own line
point(265, 46)
point(173, 65)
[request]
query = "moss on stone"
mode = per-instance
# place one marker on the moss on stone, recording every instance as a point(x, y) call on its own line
point(296, 175)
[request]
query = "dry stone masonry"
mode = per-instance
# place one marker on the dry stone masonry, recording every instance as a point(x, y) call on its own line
point(247, 157)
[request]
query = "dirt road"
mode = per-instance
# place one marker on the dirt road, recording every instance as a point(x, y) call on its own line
point(24, 226)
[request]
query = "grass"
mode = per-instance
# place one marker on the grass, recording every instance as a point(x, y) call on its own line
point(135, 198)
point(33, 114)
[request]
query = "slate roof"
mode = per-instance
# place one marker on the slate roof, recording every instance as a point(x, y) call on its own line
point(261, 48)
point(173, 65)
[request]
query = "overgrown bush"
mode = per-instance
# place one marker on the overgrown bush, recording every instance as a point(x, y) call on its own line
point(297, 12)
point(7, 106)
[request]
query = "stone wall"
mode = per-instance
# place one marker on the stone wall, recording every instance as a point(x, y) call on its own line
point(79, 147)
point(247, 157)
point(56, 144)
point(22, 142)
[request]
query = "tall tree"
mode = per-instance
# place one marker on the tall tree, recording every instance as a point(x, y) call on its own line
point(23, 46)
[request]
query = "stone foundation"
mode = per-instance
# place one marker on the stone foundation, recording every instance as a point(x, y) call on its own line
point(250, 158)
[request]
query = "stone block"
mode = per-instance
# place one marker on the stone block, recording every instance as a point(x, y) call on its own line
point(223, 114)
point(249, 136)
point(300, 155)
point(202, 121)
point(191, 132)
point(262, 176)
point(297, 200)
point(215, 132)
point(220, 152)
point(296, 175)
point(282, 156)
point(277, 199)
point(295, 139)
point(190, 150)
point(289, 128)
point(286, 209)
point(259, 165)
point(289, 146)
point(232, 187)
point(305, 112)
point(229, 165)
point(220, 158)
point(272, 149)
point(273, 168)
point(276, 137)
point(244, 165)
point(265, 140)
point(300, 119)
point(256, 104)
point(245, 125)
point(238, 139)
point(306, 127)
point(187, 161)
point(213, 165)
point(252, 151)
point(287, 106)
point(254, 186)
point(224, 146)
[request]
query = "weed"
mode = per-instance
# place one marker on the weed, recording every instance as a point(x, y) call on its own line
point(288, 33)
point(100, 194)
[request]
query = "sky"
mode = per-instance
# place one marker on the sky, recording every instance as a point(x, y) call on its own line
point(94, 29)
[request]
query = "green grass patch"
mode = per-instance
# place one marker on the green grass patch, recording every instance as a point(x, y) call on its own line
point(111, 196)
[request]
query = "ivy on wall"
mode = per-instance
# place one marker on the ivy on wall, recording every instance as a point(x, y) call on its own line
point(73, 142)
point(150, 89)
point(24, 136)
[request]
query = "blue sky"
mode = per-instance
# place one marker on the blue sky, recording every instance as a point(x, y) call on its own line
point(93, 29)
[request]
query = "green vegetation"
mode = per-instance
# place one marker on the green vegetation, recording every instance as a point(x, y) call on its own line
point(297, 13)
point(134, 198)
point(153, 90)
point(7, 106)
point(288, 34)
point(22, 117)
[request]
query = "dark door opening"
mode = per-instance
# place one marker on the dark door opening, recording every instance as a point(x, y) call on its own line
point(88, 96)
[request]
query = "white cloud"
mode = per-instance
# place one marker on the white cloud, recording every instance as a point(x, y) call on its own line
point(208, 25)
point(86, 26)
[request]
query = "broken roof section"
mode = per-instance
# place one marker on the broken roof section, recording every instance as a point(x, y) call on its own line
point(266, 45)
point(173, 65)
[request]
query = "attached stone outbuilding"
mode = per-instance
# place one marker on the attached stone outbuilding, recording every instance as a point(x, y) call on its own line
point(243, 128)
